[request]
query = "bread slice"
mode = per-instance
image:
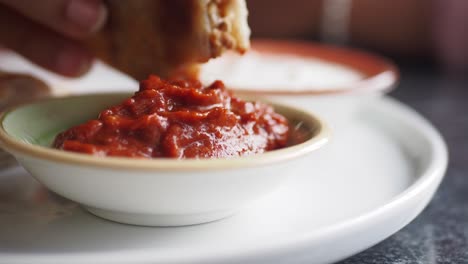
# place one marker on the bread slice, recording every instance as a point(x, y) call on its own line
point(166, 37)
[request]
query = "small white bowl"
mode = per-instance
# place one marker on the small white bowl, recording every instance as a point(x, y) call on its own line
point(156, 192)
point(333, 82)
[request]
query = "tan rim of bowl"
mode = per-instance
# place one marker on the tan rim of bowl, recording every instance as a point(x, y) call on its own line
point(20, 148)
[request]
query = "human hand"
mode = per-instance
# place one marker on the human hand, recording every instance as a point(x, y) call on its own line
point(47, 32)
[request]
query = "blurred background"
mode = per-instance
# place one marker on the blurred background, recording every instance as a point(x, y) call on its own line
point(431, 31)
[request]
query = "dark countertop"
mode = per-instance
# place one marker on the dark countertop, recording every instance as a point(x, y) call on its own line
point(440, 233)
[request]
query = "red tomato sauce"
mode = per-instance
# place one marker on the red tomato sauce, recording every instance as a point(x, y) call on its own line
point(179, 119)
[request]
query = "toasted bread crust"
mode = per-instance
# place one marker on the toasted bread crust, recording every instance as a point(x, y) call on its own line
point(168, 36)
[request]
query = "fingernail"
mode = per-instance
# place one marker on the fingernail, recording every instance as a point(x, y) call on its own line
point(72, 62)
point(89, 15)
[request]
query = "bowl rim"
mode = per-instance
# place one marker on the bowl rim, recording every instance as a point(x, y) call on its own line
point(384, 76)
point(20, 148)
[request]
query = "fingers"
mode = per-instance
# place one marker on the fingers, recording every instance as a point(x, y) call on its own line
point(42, 46)
point(73, 18)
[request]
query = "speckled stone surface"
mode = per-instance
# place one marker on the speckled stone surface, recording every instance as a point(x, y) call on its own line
point(440, 233)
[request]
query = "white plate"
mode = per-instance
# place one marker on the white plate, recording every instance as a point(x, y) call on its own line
point(372, 180)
